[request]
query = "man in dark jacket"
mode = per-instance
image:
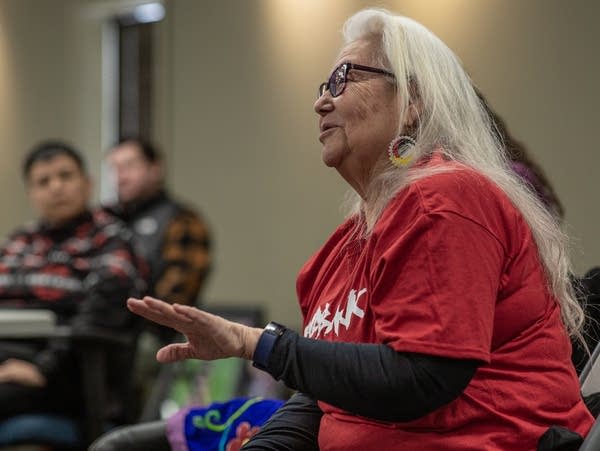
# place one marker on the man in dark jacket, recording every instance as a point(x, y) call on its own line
point(173, 238)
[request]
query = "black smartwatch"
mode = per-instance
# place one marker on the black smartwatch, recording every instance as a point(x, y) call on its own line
point(265, 344)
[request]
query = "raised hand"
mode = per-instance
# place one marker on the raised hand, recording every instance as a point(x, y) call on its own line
point(210, 337)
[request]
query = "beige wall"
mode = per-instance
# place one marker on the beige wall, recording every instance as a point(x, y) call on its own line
point(237, 80)
point(50, 87)
point(31, 92)
point(51, 63)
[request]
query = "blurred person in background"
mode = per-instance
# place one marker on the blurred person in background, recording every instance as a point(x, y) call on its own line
point(173, 238)
point(77, 262)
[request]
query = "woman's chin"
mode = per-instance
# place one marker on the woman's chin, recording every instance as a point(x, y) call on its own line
point(331, 158)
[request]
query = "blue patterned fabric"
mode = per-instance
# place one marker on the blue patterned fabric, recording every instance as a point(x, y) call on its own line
point(220, 426)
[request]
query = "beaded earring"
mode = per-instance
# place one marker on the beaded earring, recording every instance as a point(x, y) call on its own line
point(399, 150)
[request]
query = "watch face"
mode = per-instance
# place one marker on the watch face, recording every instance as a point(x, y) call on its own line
point(274, 328)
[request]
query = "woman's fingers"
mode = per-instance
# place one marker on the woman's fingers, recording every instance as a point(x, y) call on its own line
point(172, 310)
point(161, 307)
point(210, 337)
point(139, 307)
point(195, 315)
point(159, 312)
point(185, 309)
point(174, 353)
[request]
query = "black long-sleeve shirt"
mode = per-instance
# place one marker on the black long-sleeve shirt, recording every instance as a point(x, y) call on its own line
point(370, 380)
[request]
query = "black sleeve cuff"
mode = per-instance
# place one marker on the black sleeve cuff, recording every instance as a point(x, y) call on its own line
point(276, 360)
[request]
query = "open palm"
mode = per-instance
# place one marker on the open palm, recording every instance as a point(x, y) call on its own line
point(209, 337)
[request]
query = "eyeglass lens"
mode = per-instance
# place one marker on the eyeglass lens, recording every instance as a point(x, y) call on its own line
point(336, 82)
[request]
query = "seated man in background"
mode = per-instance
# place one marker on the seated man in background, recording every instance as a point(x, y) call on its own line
point(75, 261)
point(172, 237)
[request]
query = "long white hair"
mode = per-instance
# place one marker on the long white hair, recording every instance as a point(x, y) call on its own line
point(451, 118)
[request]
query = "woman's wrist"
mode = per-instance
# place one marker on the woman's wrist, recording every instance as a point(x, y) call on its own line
point(266, 342)
point(252, 335)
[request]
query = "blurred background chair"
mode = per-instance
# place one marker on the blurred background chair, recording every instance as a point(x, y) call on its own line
point(592, 440)
point(589, 377)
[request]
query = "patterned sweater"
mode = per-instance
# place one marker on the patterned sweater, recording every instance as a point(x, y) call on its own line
point(83, 271)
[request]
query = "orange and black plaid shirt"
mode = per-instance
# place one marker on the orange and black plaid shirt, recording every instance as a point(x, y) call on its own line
point(185, 259)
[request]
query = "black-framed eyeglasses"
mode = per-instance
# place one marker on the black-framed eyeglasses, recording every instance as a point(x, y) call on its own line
point(337, 81)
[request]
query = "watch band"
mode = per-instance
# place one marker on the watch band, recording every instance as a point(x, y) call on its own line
point(265, 344)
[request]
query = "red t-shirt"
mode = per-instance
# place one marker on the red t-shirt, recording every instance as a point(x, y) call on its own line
point(451, 269)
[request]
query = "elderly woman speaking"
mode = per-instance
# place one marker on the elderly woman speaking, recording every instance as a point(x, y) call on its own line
point(437, 316)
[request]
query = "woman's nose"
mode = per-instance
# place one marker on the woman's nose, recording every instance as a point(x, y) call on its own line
point(323, 104)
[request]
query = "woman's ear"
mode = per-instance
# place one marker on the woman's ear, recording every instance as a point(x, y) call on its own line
point(415, 107)
point(412, 117)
